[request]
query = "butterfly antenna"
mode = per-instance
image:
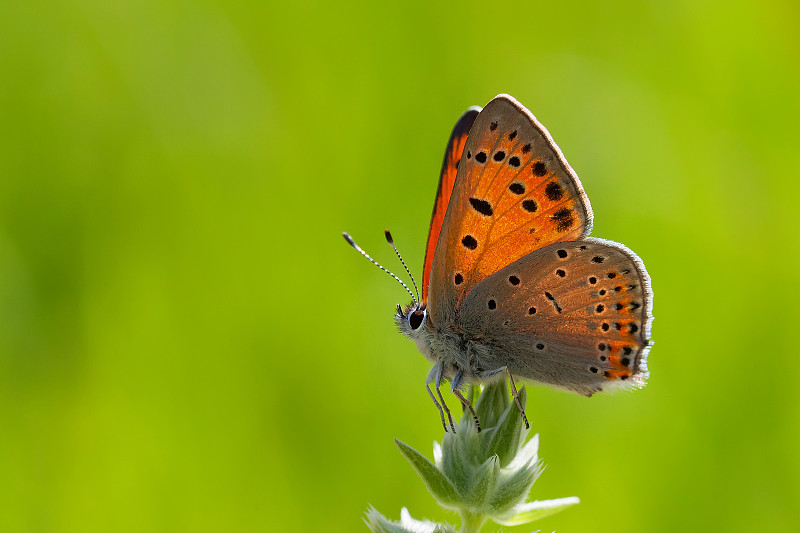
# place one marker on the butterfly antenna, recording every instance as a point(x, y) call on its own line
point(391, 242)
point(352, 243)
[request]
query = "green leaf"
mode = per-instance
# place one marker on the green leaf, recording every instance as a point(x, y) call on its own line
point(491, 403)
point(380, 524)
point(456, 462)
point(526, 455)
point(528, 512)
point(435, 481)
point(377, 523)
point(509, 434)
point(473, 392)
point(483, 481)
point(512, 488)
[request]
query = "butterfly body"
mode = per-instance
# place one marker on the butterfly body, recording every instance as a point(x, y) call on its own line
point(512, 284)
point(512, 280)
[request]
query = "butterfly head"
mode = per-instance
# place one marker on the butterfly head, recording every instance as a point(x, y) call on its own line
point(412, 321)
point(412, 318)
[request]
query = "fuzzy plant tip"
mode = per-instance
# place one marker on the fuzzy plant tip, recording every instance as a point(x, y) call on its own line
point(378, 523)
point(484, 475)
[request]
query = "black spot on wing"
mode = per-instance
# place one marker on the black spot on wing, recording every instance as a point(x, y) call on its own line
point(563, 219)
point(554, 191)
point(553, 301)
point(469, 242)
point(517, 188)
point(481, 206)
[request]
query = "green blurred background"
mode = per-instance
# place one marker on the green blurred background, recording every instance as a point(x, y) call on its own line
point(187, 343)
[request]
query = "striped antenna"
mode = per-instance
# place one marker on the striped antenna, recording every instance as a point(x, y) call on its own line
point(400, 257)
point(352, 243)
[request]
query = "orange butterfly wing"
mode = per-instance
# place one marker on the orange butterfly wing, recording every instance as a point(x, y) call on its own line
point(452, 156)
point(514, 193)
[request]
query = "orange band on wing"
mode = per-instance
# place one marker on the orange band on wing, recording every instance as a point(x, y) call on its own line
point(455, 147)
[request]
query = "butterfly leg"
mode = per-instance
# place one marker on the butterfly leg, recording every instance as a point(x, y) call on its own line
point(435, 375)
point(439, 392)
point(516, 399)
point(454, 385)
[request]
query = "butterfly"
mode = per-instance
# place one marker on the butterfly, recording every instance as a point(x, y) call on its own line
point(512, 285)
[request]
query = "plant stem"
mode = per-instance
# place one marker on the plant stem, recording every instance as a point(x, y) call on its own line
point(471, 522)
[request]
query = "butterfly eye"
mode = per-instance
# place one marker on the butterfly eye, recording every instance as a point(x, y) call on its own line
point(416, 318)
